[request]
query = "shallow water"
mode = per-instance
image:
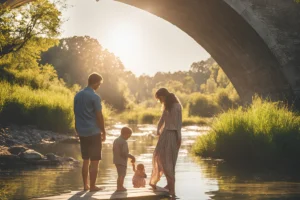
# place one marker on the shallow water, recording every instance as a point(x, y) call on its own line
point(196, 179)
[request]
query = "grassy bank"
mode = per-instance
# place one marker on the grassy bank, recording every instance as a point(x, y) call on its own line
point(50, 109)
point(140, 114)
point(265, 132)
point(47, 109)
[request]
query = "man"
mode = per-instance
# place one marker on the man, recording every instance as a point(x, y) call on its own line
point(89, 125)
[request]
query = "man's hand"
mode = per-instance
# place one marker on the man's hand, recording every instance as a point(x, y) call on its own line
point(103, 136)
point(133, 160)
point(100, 122)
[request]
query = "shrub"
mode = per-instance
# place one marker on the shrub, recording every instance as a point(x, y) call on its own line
point(140, 114)
point(44, 108)
point(200, 105)
point(264, 132)
point(187, 121)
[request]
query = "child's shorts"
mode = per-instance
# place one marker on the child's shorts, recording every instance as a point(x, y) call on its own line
point(121, 169)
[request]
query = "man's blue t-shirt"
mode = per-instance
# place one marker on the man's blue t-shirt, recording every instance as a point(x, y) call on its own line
point(86, 104)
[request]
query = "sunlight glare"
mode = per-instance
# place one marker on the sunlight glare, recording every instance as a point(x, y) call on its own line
point(125, 39)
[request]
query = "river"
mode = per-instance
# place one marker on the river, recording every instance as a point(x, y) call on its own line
point(196, 178)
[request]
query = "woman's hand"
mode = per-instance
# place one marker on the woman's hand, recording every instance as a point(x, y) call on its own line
point(178, 143)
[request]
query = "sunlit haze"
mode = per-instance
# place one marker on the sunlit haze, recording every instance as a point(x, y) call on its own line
point(145, 43)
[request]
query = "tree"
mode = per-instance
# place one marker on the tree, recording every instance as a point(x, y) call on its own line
point(25, 26)
point(222, 79)
point(77, 57)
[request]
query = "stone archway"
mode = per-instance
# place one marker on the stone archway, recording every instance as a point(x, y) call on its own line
point(256, 42)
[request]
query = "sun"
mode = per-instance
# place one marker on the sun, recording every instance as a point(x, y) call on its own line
point(125, 40)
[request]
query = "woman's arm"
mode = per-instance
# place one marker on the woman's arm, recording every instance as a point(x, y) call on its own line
point(160, 122)
point(179, 125)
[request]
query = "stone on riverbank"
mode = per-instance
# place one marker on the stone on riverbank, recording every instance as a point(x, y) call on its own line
point(31, 155)
point(16, 150)
point(51, 156)
point(19, 156)
point(29, 135)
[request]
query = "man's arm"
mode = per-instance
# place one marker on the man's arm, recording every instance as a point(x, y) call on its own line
point(100, 121)
point(99, 116)
point(131, 157)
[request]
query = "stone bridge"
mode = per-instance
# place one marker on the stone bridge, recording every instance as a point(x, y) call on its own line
point(256, 42)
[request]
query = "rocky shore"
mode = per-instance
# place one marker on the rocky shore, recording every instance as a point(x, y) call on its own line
point(15, 142)
point(29, 135)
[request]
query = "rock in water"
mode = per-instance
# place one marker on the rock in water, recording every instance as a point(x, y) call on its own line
point(31, 155)
point(16, 150)
point(51, 156)
point(70, 159)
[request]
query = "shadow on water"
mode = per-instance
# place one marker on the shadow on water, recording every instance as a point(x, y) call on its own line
point(196, 179)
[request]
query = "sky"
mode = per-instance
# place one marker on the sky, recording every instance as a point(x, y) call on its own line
point(144, 42)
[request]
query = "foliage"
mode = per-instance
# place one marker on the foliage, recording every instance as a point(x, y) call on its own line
point(140, 114)
point(192, 120)
point(225, 100)
point(22, 27)
point(201, 105)
point(264, 132)
point(77, 57)
point(47, 109)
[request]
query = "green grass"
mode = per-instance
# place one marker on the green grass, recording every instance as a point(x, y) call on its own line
point(47, 109)
point(264, 132)
point(140, 114)
point(50, 109)
point(194, 120)
point(202, 105)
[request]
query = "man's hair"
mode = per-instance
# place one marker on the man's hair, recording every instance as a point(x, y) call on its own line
point(126, 129)
point(94, 78)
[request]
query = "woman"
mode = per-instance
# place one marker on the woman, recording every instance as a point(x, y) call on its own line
point(169, 132)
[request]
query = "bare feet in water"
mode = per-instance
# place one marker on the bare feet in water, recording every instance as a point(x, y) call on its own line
point(95, 189)
point(122, 189)
point(86, 188)
point(172, 197)
point(166, 187)
point(153, 186)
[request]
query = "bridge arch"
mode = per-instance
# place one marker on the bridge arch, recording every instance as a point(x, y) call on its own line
point(256, 42)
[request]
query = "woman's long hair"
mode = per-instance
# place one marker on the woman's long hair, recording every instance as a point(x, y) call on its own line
point(170, 98)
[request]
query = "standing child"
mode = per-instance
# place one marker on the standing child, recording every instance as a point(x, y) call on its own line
point(121, 155)
point(138, 179)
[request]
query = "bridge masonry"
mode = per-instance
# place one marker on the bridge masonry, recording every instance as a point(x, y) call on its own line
point(278, 24)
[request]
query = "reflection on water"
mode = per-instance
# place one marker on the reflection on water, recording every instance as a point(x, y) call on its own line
point(196, 179)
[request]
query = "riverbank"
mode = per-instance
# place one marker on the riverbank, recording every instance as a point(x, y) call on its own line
point(30, 135)
point(16, 143)
point(264, 133)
